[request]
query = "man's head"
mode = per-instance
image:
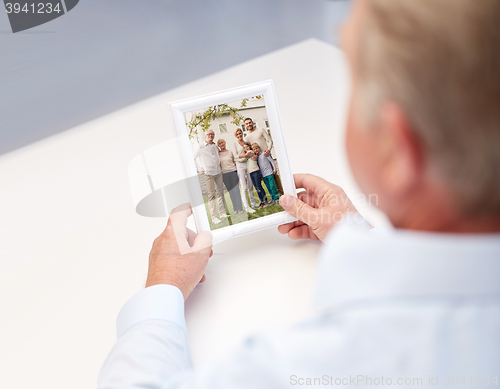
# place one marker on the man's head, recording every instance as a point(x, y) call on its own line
point(209, 136)
point(249, 124)
point(256, 148)
point(424, 119)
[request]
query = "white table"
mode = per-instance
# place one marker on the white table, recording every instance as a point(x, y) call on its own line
point(73, 250)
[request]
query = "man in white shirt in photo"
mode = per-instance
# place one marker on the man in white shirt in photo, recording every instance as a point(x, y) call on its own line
point(263, 139)
point(259, 136)
point(207, 155)
point(415, 306)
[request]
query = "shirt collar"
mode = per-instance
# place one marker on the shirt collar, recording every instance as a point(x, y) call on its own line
point(359, 264)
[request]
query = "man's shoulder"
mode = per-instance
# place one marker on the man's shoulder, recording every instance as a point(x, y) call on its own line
point(256, 131)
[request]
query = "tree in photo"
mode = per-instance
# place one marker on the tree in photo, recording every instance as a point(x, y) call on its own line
point(204, 119)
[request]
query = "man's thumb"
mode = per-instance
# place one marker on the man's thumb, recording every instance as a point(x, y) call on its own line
point(297, 208)
point(203, 241)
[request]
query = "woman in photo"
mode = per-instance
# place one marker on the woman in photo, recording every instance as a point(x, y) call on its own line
point(243, 173)
point(229, 175)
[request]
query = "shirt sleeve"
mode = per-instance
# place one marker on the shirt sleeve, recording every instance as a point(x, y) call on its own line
point(197, 158)
point(256, 363)
point(268, 139)
point(272, 163)
point(234, 149)
point(152, 349)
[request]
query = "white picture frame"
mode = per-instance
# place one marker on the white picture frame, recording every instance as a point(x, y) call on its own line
point(178, 110)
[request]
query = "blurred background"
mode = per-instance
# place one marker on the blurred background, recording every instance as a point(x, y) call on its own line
point(107, 54)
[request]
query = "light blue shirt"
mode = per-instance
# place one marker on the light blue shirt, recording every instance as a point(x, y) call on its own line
point(414, 308)
point(266, 165)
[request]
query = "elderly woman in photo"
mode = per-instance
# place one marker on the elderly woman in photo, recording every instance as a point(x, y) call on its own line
point(241, 168)
point(229, 175)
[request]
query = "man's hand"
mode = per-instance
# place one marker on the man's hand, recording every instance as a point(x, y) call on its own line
point(179, 256)
point(267, 153)
point(318, 208)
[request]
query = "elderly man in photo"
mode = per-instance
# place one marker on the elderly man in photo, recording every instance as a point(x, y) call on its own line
point(207, 155)
point(415, 306)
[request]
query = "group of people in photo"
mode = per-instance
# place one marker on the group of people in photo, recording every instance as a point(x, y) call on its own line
point(245, 164)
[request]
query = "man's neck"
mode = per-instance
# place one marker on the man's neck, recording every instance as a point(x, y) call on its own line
point(457, 224)
point(435, 212)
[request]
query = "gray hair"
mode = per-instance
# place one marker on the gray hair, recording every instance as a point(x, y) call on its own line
point(440, 61)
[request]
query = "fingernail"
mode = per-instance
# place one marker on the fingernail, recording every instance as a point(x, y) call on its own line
point(286, 201)
point(208, 234)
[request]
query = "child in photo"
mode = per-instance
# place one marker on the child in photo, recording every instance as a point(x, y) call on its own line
point(255, 175)
point(267, 169)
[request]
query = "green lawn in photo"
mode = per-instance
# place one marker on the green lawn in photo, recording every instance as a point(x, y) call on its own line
point(235, 219)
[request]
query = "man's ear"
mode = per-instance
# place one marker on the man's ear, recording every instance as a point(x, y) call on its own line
point(401, 152)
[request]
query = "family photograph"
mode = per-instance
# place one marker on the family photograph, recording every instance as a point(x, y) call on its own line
point(235, 160)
